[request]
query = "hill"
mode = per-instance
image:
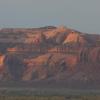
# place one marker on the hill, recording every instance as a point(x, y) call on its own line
point(50, 54)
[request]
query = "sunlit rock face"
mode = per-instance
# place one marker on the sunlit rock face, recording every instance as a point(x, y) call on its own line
point(2, 59)
point(72, 37)
point(75, 37)
point(49, 53)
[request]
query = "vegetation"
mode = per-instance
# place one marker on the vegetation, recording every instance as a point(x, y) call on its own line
point(47, 94)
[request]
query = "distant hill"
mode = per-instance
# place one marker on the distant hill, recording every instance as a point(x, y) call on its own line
point(49, 54)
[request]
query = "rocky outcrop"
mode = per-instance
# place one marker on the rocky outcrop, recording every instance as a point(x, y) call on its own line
point(75, 38)
point(56, 53)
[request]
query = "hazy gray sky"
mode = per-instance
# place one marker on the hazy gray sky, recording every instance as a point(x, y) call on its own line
point(83, 15)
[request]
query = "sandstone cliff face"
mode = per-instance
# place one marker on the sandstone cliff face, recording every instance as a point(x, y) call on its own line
point(57, 53)
point(72, 37)
point(75, 38)
point(55, 32)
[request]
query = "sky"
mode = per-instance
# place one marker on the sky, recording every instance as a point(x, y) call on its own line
point(82, 15)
